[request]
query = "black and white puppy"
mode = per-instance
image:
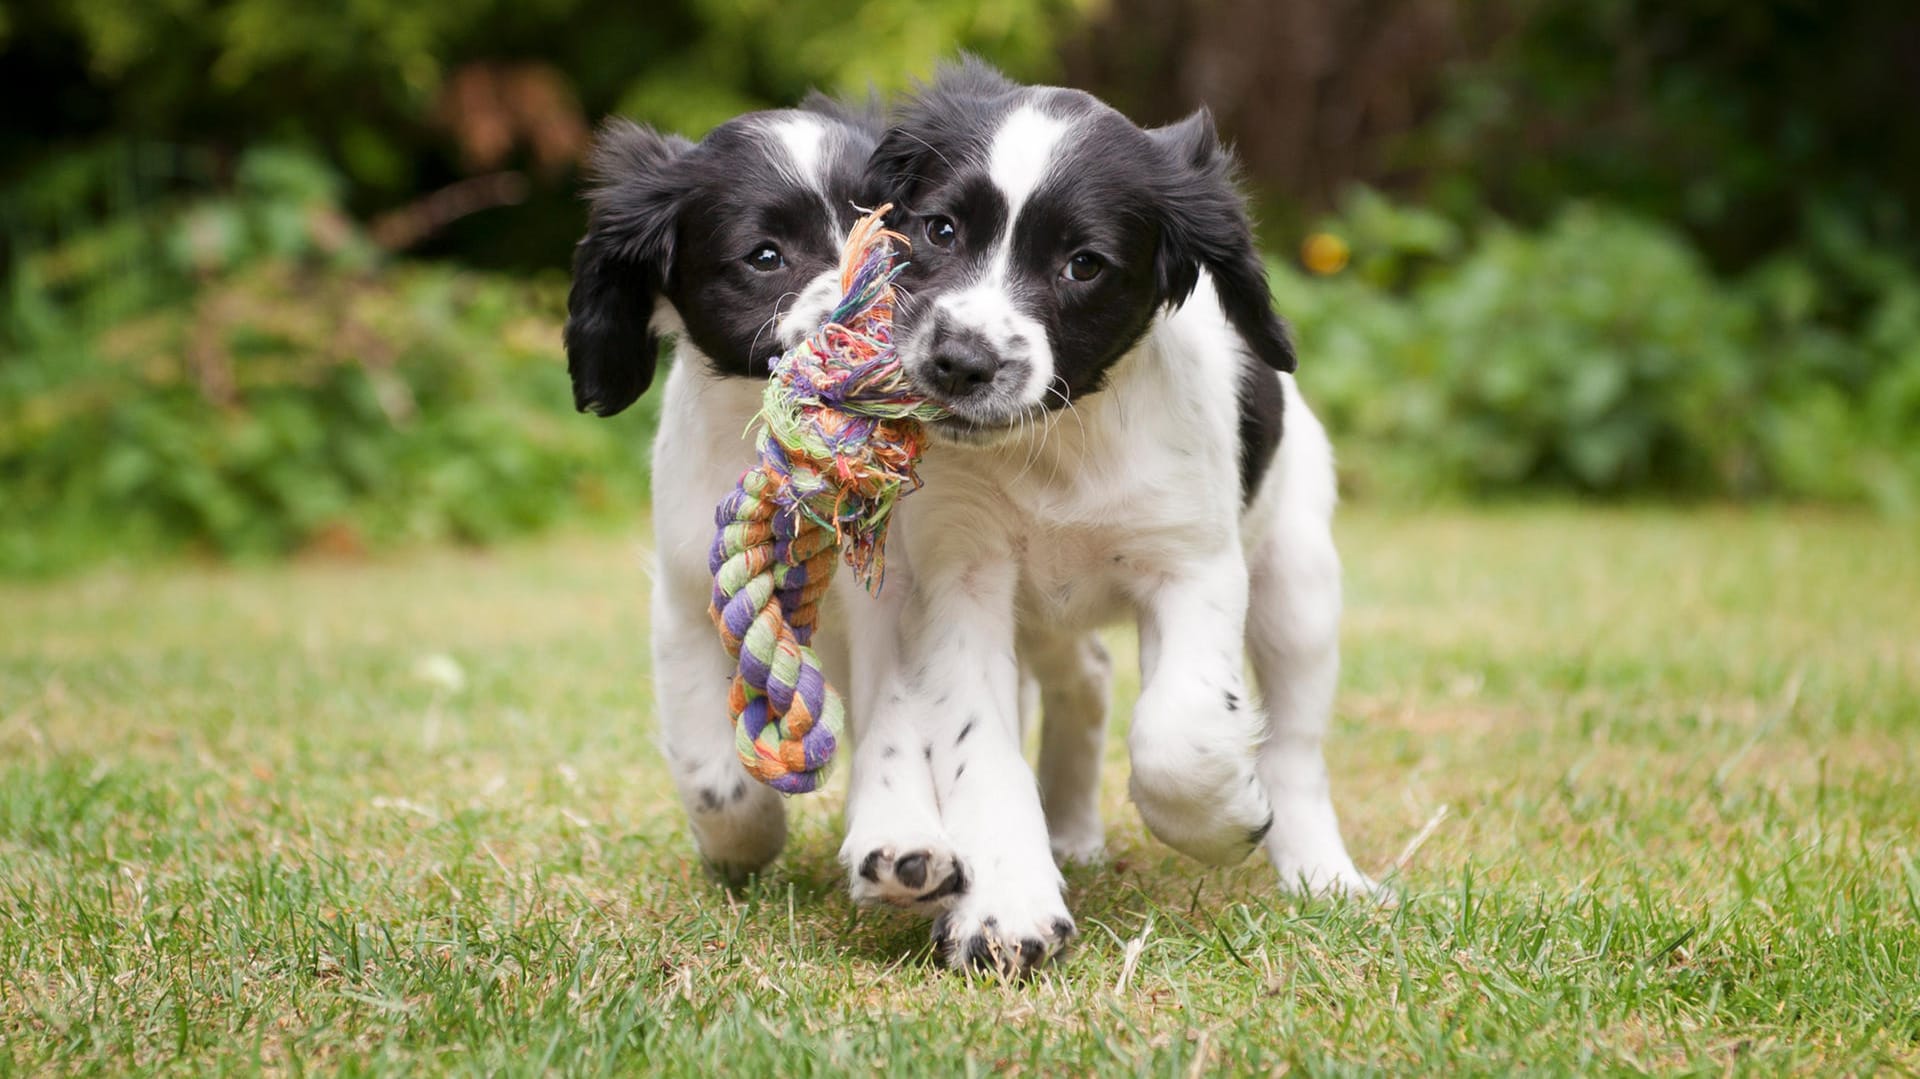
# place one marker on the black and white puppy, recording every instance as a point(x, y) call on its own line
point(1085, 298)
point(731, 248)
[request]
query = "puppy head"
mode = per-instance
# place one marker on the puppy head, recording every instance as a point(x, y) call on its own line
point(1048, 231)
point(715, 240)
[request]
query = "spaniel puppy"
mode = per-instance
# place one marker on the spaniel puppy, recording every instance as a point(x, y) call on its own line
point(1126, 442)
point(730, 247)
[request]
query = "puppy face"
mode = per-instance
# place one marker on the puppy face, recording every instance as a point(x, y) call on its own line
point(1048, 230)
point(730, 233)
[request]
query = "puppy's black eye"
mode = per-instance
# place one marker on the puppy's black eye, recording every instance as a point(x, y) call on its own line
point(766, 258)
point(940, 231)
point(1084, 266)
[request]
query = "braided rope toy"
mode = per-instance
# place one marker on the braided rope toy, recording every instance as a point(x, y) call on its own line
point(840, 431)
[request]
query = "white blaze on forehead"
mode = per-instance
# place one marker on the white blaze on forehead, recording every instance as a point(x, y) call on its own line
point(1018, 161)
point(805, 141)
point(1021, 154)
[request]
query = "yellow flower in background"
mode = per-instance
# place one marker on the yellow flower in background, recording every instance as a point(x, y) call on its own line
point(1324, 253)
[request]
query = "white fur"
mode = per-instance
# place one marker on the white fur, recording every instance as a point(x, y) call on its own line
point(1021, 154)
point(804, 140)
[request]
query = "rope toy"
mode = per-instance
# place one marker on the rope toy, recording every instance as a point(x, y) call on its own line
point(840, 431)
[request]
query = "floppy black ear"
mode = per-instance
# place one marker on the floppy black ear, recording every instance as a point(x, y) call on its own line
point(1206, 226)
point(891, 172)
point(620, 266)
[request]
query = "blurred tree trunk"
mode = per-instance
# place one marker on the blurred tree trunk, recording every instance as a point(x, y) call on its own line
point(1314, 93)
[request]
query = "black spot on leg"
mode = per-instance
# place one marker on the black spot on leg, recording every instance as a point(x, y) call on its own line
point(886, 782)
point(739, 789)
point(1260, 833)
point(709, 799)
point(958, 772)
point(928, 752)
point(1233, 701)
point(941, 700)
point(965, 730)
point(870, 867)
point(888, 752)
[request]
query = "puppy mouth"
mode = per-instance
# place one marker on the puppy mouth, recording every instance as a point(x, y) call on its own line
point(966, 432)
point(981, 426)
point(976, 419)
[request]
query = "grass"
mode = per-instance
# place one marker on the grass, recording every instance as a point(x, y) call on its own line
point(406, 816)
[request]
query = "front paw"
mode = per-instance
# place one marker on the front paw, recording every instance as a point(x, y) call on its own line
point(738, 825)
point(919, 872)
point(1011, 936)
point(1195, 783)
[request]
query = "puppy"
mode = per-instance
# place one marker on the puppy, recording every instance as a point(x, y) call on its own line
point(1084, 297)
point(730, 248)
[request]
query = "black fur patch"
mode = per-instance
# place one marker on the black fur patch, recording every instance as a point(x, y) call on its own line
point(1262, 415)
point(1254, 837)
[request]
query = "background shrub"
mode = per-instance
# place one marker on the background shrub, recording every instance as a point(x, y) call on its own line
point(261, 382)
point(1599, 355)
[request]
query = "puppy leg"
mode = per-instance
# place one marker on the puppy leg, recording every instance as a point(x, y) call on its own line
point(959, 677)
point(1293, 635)
point(739, 824)
point(1075, 677)
point(896, 851)
point(1194, 729)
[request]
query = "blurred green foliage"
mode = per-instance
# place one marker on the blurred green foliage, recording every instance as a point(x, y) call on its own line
point(244, 375)
point(1600, 355)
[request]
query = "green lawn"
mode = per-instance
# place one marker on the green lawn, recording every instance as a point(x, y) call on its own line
point(407, 816)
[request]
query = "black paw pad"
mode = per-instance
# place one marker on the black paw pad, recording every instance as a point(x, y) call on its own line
point(911, 870)
point(955, 884)
point(870, 867)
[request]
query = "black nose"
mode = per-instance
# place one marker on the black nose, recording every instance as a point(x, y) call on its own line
point(961, 364)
